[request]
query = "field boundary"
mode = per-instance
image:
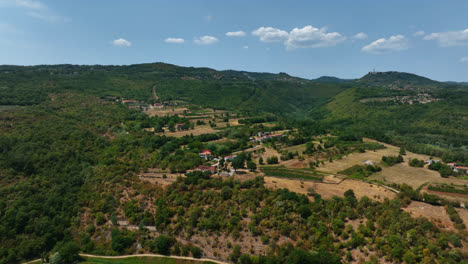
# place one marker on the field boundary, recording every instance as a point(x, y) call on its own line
point(141, 255)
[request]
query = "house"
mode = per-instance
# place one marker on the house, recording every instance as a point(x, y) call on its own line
point(129, 101)
point(230, 157)
point(267, 136)
point(206, 154)
point(430, 161)
point(367, 162)
point(462, 168)
point(204, 168)
point(158, 106)
point(179, 126)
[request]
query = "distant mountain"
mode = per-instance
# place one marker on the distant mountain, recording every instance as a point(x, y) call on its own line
point(397, 80)
point(460, 83)
point(331, 79)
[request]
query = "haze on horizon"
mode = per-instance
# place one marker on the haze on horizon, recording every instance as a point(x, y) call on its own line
point(338, 38)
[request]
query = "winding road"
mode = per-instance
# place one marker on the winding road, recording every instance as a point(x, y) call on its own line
point(142, 255)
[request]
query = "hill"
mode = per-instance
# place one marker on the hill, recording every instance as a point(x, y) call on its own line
point(82, 171)
point(396, 80)
point(331, 79)
point(233, 90)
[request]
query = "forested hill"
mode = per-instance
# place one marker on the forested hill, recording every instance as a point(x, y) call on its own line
point(398, 80)
point(233, 90)
point(401, 108)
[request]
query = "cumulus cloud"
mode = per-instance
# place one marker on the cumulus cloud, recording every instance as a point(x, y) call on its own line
point(205, 40)
point(306, 37)
point(450, 38)
point(270, 34)
point(464, 59)
point(360, 35)
point(121, 42)
point(394, 43)
point(419, 33)
point(311, 37)
point(235, 34)
point(174, 40)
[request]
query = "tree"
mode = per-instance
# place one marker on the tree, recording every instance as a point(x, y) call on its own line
point(251, 166)
point(196, 252)
point(237, 162)
point(171, 126)
point(260, 161)
point(163, 244)
point(272, 160)
point(100, 219)
point(226, 193)
point(56, 259)
point(402, 151)
point(69, 252)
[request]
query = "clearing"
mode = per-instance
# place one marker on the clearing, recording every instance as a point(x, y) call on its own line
point(328, 190)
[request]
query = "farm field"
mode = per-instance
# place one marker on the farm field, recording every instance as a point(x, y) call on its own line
point(280, 171)
point(198, 130)
point(374, 156)
point(328, 190)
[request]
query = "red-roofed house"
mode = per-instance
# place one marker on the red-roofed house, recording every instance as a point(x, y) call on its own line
point(206, 154)
point(179, 126)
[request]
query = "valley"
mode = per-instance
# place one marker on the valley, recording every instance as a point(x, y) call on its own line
point(150, 166)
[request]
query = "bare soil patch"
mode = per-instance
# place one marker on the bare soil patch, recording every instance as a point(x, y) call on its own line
point(155, 176)
point(436, 214)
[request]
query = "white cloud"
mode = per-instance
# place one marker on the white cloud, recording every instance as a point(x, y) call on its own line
point(270, 34)
point(30, 4)
point(36, 9)
point(49, 17)
point(419, 33)
point(394, 43)
point(245, 47)
point(360, 35)
point(236, 34)
point(450, 38)
point(311, 37)
point(121, 42)
point(464, 59)
point(174, 40)
point(205, 40)
point(306, 37)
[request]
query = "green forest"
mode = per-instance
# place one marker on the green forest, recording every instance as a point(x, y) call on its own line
point(69, 151)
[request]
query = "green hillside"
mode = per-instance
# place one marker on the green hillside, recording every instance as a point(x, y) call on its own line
point(233, 90)
point(437, 128)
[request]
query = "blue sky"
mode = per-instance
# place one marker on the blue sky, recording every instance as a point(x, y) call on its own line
point(303, 38)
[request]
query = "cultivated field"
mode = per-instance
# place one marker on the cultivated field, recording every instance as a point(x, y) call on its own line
point(198, 130)
point(328, 190)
